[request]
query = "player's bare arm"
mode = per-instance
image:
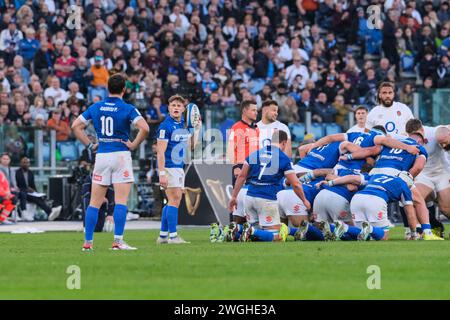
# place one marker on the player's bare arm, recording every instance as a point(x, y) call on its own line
point(297, 187)
point(237, 187)
point(395, 144)
point(144, 129)
point(161, 146)
point(329, 139)
point(418, 166)
point(362, 153)
point(78, 127)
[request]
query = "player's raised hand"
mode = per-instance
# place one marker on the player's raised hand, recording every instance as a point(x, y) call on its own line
point(232, 204)
point(321, 183)
point(413, 150)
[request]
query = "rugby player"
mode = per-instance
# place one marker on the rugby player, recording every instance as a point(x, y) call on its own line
point(112, 119)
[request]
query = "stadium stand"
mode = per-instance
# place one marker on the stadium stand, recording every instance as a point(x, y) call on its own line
point(216, 53)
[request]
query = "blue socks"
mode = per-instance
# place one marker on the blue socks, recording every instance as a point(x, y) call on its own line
point(238, 234)
point(263, 235)
point(120, 217)
point(172, 220)
point(90, 222)
point(314, 234)
point(352, 232)
point(292, 231)
point(164, 232)
point(377, 233)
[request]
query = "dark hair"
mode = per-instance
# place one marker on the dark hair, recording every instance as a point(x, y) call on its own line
point(380, 128)
point(245, 104)
point(385, 84)
point(268, 103)
point(116, 83)
point(413, 125)
point(362, 108)
point(279, 136)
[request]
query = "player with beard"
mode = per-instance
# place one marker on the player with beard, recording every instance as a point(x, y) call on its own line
point(390, 114)
point(269, 124)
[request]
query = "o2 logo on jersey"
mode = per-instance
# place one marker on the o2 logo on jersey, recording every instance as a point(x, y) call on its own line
point(390, 127)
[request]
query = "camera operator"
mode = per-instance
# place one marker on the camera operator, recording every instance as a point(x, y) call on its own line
point(83, 177)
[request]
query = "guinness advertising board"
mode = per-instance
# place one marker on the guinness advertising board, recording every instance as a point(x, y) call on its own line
point(208, 190)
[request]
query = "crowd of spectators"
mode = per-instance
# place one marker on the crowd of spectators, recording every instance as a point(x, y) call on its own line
point(308, 55)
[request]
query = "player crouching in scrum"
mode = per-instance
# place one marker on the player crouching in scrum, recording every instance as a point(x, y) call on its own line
point(265, 170)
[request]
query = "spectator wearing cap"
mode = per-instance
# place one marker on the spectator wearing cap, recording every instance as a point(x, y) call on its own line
point(361, 117)
point(331, 88)
point(28, 46)
point(9, 41)
point(61, 127)
point(297, 69)
point(100, 76)
point(39, 122)
point(323, 111)
point(350, 93)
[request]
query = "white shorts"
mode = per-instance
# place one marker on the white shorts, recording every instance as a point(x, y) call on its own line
point(289, 204)
point(329, 206)
point(240, 206)
point(385, 171)
point(366, 207)
point(175, 177)
point(438, 182)
point(262, 211)
point(113, 167)
point(299, 169)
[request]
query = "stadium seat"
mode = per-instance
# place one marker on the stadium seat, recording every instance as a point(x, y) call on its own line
point(68, 150)
point(297, 131)
point(332, 128)
point(46, 151)
point(317, 130)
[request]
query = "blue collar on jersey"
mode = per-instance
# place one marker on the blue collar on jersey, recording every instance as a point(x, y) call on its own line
point(378, 131)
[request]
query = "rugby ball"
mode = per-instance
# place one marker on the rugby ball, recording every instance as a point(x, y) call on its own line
point(192, 115)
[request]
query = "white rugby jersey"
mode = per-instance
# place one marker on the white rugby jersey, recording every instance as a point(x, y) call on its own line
point(266, 131)
point(392, 118)
point(437, 157)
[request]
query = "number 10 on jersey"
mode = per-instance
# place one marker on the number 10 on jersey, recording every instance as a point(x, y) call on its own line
point(107, 126)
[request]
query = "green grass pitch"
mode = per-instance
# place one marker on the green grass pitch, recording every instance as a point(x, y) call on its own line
point(34, 266)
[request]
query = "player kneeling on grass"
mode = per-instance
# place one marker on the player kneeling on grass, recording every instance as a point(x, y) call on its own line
point(265, 170)
point(369, 206)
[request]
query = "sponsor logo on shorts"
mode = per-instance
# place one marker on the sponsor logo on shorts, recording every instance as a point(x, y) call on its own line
point(97, 177)
point(126, 174)
point(343, 214)
point(297, 208)
point(269, 219)
point(380, 215)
